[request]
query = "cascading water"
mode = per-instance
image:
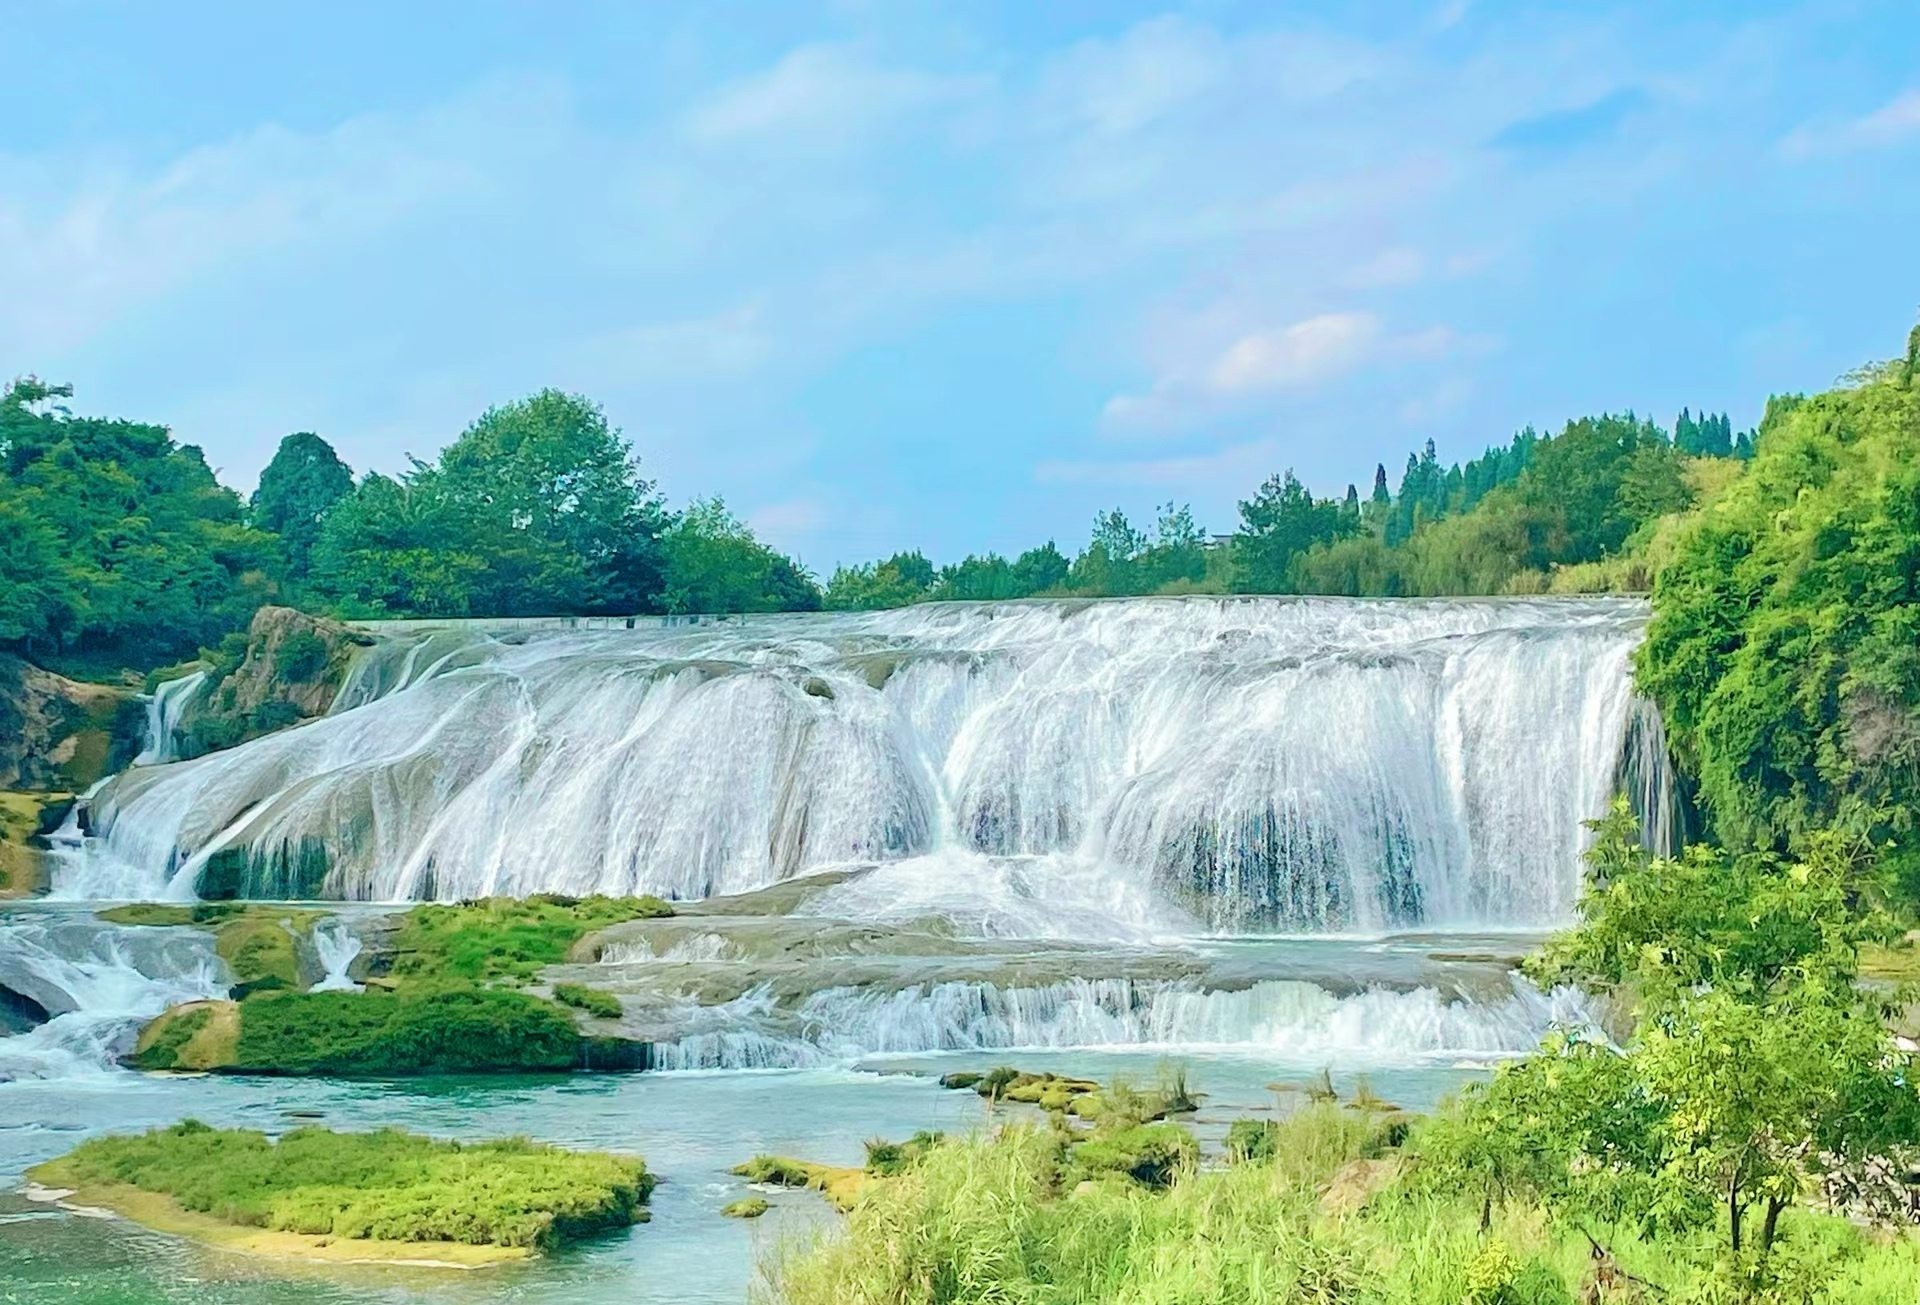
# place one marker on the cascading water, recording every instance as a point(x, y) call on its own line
point(99, 983)
point(1258, 764)
point(164, 710)
point(336, 946)
point(1276, 1018)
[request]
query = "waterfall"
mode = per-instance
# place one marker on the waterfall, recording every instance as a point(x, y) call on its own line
point(1287, 1020)
point(164, 710)
point(99, 983)
point(1263, 764)
point(336, 945)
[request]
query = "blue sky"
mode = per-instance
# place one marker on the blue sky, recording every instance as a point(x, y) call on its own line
point(952, 277)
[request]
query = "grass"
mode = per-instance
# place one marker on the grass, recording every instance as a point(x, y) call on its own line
point(751, 1207)
point(599, 1004)
point(999, 1218)
point(387, 1186)
point(418, 1030)
point(507, 938)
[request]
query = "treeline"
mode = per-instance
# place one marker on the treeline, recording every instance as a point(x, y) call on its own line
point(1504, 522)
point(119, 547)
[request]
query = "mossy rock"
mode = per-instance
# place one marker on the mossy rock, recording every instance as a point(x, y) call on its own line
point(1152, 1155)
point(841, 1186)
point(200, 1036)
point(751, 1207)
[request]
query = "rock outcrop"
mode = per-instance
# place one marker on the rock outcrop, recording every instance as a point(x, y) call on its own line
point(290, 671)
point(60, 735)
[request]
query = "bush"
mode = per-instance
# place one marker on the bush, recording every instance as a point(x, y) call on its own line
point(1152, 1155)
point(504, 938)
point(421, 1030)
point(388, 1185)
point(601, 1005)
point(891, 1159)
point(303, 655)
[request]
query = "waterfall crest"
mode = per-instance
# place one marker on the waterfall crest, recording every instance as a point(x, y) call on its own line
point(1260, 763)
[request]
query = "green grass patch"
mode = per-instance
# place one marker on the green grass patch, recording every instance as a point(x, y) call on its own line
point(260, 944)
point(421, 1029)
point(171, 1034)
point(507, 938)
point(1000, 1218)
point(750, 1207)
point(891, 1159)
point(600, 1005)
point(387, 1186)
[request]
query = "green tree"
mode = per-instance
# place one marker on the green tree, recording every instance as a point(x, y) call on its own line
point(1279, 524)
point(714, 564)
point(296, 491)
point(1784, 650)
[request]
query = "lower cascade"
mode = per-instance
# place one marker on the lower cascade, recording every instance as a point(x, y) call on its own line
point(96, 985)
point(1249, 764)
point(1292, 1021)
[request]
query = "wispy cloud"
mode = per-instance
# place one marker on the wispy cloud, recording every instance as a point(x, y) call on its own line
point(1894, 123)
point(1302, 356)
point(824, 95)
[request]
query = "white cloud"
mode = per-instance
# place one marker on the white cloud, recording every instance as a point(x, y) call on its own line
point(1296, 356)
point(1262, 364)
point(1894, 122)
point(83, 245)
point(822, 95)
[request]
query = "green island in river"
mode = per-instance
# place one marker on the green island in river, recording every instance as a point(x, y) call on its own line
point(381, 1197)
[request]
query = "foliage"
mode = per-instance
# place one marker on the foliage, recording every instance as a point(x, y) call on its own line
point(1758, 1067)
point(594, 1001)
point(387, 1185)
point(297, 490)
point(420, 1029)
point(891, 1159)
point(116, 542)
point(714, 564)
point(505, 937)
point(1784, 650)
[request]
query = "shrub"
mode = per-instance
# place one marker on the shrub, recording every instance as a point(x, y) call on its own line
point(601, 1005)
point(891, 1159)
point(504, 938)
point(422, 1030)
point(1150, 1154)
point(303, 655)
point(387, 1185)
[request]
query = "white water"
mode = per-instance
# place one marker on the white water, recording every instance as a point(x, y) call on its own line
point(336, 945)
point(1268, 764)
point(164, 710)
point(100, 983)
point(1277, 1019)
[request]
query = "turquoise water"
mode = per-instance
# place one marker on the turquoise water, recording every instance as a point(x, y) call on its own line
point(690, 1127)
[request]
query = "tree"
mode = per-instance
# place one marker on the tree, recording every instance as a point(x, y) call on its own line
point(1758, 1067)
point(1278, 524)
point(120, 547)
point(297, 490)
point(550, 467)
point(1784, 649)
point(714, 564)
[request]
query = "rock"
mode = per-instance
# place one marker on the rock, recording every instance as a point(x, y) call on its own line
point(288, 670)
point(751, 1207)
point(61, 735)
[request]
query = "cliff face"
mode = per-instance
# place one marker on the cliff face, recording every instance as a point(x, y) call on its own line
point(290, 672)
point(59, 735)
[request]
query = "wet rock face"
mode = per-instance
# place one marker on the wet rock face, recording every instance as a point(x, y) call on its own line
point(290, 671)
point(60, 735)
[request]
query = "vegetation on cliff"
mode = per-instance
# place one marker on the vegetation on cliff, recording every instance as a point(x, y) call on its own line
point(385, 1186)
point(506, 937)
point(1784, 650)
